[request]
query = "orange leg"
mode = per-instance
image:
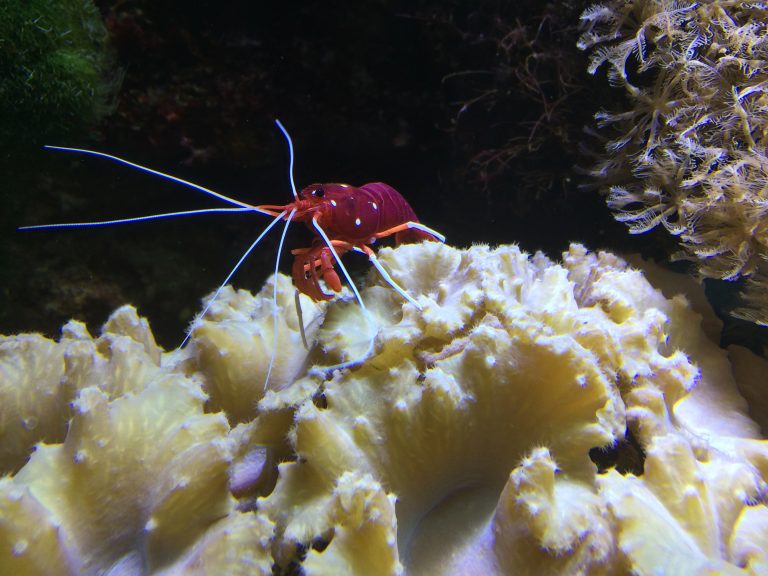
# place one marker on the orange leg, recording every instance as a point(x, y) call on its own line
point(367, 250)
point(410, 226)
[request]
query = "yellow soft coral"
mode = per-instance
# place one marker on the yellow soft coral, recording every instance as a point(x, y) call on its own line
point(678, 517)
point(34, 403)
point(140, 482)
point(514, 365)
point(461, 438)
point(233, 346)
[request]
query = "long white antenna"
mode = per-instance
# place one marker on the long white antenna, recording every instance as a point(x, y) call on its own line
point(156, 173)
point(290, 152)
point(339, 262)
point(387, 278)
point(274, 299)
point(275, 220)
point(135, 219)
point(252, 246)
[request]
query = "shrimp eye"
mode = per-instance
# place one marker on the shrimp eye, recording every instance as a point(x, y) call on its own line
point(307, 275)
point(318, 192)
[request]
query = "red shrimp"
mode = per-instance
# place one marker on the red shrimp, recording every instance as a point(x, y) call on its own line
point(344, 217)
point(353, 219)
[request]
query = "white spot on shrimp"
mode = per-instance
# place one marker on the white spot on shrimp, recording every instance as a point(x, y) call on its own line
point(333, 202)
point(357, 221)
point(375, 206)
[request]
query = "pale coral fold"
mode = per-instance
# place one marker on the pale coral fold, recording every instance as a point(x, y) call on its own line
point(139, 484)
